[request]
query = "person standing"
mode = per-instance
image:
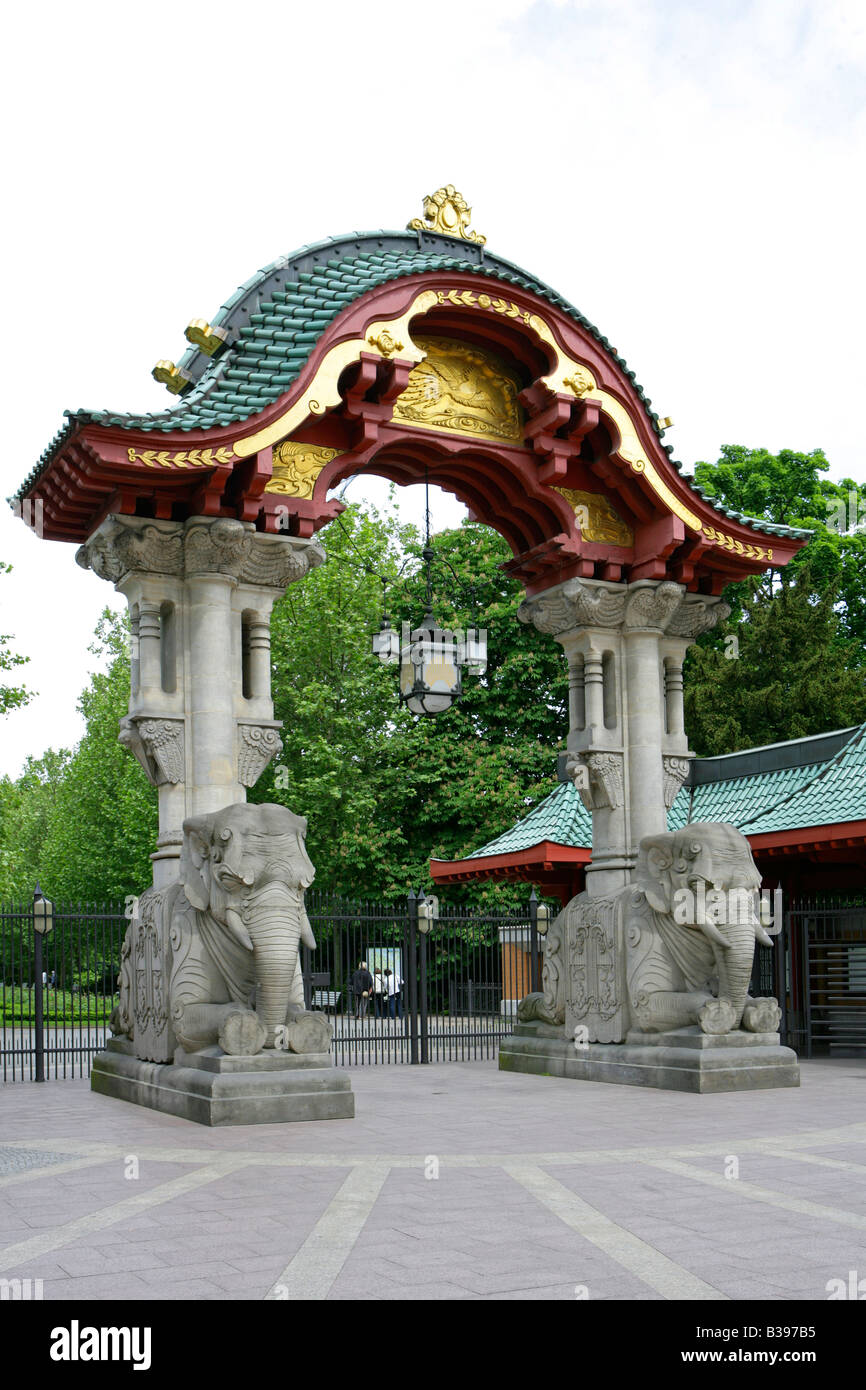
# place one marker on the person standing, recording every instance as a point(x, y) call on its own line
point(379, 996)
point(394, 984)
point(398, 993)
point(362, 986)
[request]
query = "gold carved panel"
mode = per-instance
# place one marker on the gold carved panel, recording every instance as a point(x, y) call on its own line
point(463, 390)
point(297, 466)
point(597, 518)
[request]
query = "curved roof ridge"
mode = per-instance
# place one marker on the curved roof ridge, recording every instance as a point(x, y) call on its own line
point(275, 319)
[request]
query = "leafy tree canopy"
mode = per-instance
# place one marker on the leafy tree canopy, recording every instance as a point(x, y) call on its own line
point(11, 696)
point(791, 660)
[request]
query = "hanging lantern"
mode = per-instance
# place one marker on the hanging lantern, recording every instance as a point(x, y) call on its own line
point(430, 657)
point(429, 670)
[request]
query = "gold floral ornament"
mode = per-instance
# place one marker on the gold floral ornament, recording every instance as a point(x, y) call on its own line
point(597, 518)
point(297, 466)
point(447, 212)
point(463, 390)
point(181, 458)
point(171, 377)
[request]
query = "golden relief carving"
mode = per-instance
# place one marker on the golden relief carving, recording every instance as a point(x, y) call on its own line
point(581, 381)
point(297, 466)
point(750, 552)
point(385, 342)
point(597, 518)
point(468, 299)
point(447, 212)
point(463, 390)
point(181, 458)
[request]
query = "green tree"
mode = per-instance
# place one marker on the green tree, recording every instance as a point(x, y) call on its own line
point(486, 762)
point(382, 788)
point(791, 677)
point(790, 489)
point(102, 824)
point(11, 696)
point(798, 633)
point(27, 806)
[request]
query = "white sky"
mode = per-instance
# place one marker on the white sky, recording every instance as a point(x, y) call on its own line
point(690, 175)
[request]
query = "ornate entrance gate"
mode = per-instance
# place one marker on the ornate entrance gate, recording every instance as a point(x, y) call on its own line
point(409, 355)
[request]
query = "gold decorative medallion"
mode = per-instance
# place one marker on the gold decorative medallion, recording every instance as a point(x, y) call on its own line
point(447, 212)
point(461, 389)
point(596, 517)
point(204, 336)
point(181, 458)
point(297, 466)
point(581, 381)
point(385, 343)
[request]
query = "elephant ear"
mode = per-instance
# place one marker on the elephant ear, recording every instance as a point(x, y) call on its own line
point(194, 857)
point(653, 870)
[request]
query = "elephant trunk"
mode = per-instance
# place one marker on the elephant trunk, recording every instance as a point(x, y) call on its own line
point(272, 915)
point(734, 965)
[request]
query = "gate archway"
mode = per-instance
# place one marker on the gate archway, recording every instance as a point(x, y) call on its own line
point(402, 354)
point(353, 355)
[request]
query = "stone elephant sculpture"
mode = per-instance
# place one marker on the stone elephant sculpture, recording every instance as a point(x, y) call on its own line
point(674, 948)
point(224, 943)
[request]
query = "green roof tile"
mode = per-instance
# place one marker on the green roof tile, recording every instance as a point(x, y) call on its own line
point(825, 791)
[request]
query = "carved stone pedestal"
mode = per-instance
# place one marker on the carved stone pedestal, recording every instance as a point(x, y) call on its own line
point(211, 1088)
point(684, 1059)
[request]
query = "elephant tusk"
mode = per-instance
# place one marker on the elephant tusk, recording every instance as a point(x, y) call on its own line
point(713, 934)
point(237, 928)
point(762, 936)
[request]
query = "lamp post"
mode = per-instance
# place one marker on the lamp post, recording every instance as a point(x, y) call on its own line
point(539, 920)
point(428, 912)
point(43, 921)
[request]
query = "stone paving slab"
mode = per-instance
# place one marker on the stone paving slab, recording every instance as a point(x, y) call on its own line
point(454, 1182)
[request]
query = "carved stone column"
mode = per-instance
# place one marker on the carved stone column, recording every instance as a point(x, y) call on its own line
point(200, 595)
point(627, 751)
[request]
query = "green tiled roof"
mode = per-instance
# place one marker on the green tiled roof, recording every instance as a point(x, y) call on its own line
point(275, 319)
point(561, 818)
point(828, 793)
point(809, 788)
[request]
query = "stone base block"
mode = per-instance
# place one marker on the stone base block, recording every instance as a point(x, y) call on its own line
point(212, 1088)
point(684, 1059)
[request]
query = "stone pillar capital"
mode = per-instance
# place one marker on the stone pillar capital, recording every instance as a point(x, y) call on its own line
point(124, 545)
point(647, 605)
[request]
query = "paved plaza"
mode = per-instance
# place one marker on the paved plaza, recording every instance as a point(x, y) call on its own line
point(453, 1182)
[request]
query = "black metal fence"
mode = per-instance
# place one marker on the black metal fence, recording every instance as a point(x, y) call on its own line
point(826, 977)
point(399, 984)
point(442, 988)
point(57, 988)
